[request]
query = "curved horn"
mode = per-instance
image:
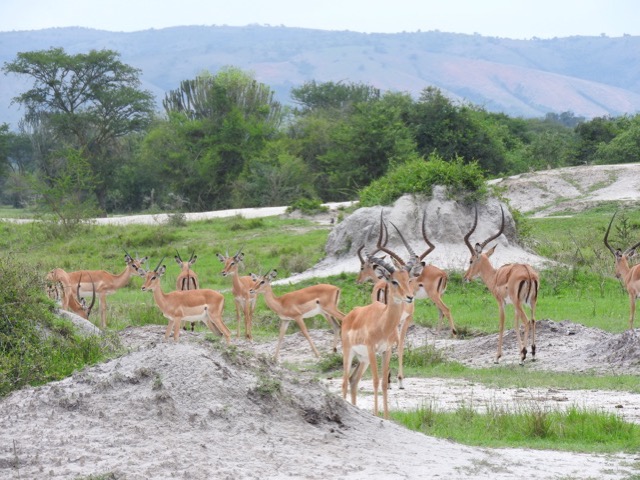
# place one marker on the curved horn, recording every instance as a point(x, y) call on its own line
point(159, 263)
point(239, 251)
point(382, 246)
point(473, 228)
point(359, 251)
point(406, 245)
point(424, 235)
point(126, 252)
point(484, 244)
point(178, 255)
point(628, 250)
point(93, 295)
point(606, 235)
point(381, 263)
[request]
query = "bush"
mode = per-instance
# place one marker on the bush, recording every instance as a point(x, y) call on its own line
point(464, 181)
point(35, 345)
point(308, 206)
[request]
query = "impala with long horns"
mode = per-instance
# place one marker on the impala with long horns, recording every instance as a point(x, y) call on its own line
point(245, 301)
point(321, 299)
point(202, 305)
point(515, 283)
point(373, 329)
point(104, 283)
point(630, 276)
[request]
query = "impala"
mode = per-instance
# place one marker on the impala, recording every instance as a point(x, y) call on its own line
point(202, 305)
point(630, 276)
point(373, 329)
point(60, 289)
point(245, 301)
point(321, 299)
point(187, 279)
point(105, 283)
point(515, 283)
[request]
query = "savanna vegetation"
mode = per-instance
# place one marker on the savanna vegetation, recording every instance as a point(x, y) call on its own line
point(93, 144)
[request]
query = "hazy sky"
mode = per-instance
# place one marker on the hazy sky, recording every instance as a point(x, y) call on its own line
point(501, 18)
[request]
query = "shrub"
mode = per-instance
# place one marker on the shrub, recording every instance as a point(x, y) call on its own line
point(464, 181)
point(307, 206)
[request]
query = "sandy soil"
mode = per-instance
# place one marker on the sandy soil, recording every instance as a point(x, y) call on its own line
point(202, 410)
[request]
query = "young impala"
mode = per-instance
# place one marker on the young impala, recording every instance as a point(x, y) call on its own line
point(105, 283)
point(202, 305)
point(321, 299)
point(244, 300)
point(515, 283)
point(630, 276)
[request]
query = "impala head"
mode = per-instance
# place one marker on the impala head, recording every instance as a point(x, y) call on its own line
point(230, 263)
point(152, 277)
point(398, 280)
point(477, 251)
point(134, 263)
point(185, 266)
point(261, 282)
point(622, 264)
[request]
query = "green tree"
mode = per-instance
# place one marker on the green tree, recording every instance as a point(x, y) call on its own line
point(623, 148)
point(216, 124)
point(591, 135)
point(89, 101)
point(333, 96)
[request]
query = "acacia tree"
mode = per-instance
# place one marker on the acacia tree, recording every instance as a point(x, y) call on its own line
point(88, 101)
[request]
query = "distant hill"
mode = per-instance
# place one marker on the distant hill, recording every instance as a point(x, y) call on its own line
point(589, 76)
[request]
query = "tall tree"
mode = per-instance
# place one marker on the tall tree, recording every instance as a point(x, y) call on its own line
point(89, 100)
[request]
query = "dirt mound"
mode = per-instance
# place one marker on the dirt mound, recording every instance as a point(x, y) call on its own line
point(571, 189)
point(199, 411)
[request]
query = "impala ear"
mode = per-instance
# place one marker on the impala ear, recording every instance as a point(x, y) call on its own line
point(221, 257)
point(416, 271)
point(478, 248)
point(162, 270)
point(631, 253)
point(178, 261)
point(239, 257)
point(273, 274)
point(193, 260)
point(381, 273)
point(254, 276)
point(491, 250)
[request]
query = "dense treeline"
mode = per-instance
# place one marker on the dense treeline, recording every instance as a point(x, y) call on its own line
point(91, 141)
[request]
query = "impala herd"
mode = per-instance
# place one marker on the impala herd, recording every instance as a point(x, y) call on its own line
point(365, 331)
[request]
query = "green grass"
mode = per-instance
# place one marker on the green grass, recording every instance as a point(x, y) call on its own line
point(574, 429)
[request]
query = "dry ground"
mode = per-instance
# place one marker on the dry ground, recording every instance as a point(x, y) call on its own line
point(197, 410)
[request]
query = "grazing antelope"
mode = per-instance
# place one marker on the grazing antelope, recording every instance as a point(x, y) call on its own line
point(630, 276)
point(202, 305)
point(105, 283)
point(373, 329)
point(59, 288)
point(245, 301)
point(321, 299)
point(515, 283)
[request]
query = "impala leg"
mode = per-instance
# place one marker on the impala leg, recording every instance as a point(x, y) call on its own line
point(347, 358)
point(355, 378)
point(168, 330)
point(632, 313)
point(336, 330)
point(305, 332)
point(247, 319)
point(252, 308)
point(375, 377)
point(283, 329)
point(444, 310)
point(176, 329)
point(403, 333)
point(238, 309)
point(533, 331)
point(500, 332)
point(521, 317)
point(103, 311)
point(386, 359)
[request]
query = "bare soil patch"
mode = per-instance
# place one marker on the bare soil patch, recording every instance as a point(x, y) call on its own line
point(195, 410)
